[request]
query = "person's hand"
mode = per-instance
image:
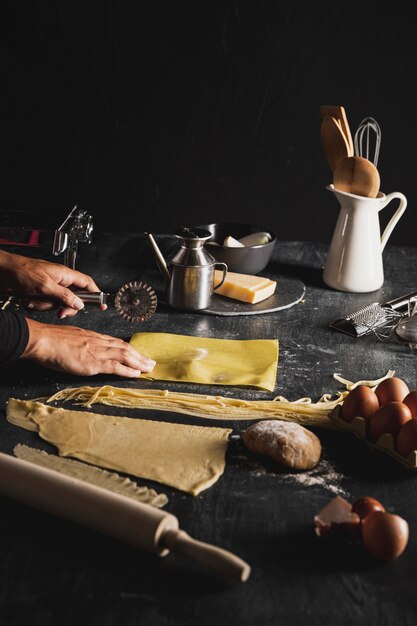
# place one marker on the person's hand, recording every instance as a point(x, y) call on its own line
point(83, 352)
point(26, 276)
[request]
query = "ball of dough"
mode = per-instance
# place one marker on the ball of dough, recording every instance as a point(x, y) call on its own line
point(285, 442)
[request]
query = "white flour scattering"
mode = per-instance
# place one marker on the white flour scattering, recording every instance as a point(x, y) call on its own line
point(324, 475)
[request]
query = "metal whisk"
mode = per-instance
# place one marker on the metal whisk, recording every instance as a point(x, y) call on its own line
point(363, 139)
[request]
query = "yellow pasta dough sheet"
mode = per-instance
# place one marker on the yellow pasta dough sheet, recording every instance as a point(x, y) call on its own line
point(189, 458)
point(233, 362)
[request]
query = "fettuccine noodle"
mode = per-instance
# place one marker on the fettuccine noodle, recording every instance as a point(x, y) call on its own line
point(303, 410)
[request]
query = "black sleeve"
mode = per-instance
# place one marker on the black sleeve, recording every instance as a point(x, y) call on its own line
point(14, 336)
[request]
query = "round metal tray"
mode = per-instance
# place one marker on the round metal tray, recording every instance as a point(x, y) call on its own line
point(289, 291)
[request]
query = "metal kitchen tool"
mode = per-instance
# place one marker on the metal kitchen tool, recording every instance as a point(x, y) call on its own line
point(77, 228)
point(406, 330)
point(189, 274)
point(135, 301)
point(365, 146)
point(375, 317)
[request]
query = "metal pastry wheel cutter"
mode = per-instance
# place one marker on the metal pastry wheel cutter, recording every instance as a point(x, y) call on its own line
point(135, 301)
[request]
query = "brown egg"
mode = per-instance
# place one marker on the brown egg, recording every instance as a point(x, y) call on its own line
point(361, 401)
point(365, 506)
point(407, 438)
point(388, 419)
point(411, 401)
point(385, 535)
point(391, 390)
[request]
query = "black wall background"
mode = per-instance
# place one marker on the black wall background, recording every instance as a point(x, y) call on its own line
point(155, 114)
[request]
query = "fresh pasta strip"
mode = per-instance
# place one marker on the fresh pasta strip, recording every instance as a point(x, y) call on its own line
point(208, 361)
point(91, 474)
point(368, 383)
point(189, 458)
point(304, 410)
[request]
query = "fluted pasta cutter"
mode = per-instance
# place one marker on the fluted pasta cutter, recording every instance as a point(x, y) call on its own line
point(135, 301)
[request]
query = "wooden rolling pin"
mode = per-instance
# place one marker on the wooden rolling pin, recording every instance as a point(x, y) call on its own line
point(136, 523)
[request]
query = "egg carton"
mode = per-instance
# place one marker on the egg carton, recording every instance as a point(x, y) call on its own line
point(385, 442)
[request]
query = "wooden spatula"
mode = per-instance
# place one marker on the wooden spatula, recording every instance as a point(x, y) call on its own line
point(334, 142)
point(339, 113)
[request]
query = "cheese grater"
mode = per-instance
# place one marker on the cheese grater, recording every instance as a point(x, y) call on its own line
point(376, 318)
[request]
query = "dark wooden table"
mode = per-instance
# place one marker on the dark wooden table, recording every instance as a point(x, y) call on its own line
point(55, 572)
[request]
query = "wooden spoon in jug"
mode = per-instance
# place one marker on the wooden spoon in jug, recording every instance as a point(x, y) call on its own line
point(335, 144)
point(339, 113)
point(357, 175)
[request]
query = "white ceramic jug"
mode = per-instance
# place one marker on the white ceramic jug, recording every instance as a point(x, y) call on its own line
point(354, 262)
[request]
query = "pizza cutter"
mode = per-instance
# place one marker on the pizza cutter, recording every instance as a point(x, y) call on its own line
point(135, 301)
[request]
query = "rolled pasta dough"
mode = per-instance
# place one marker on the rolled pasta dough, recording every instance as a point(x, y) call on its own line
point(189, 458)
point(208, 361)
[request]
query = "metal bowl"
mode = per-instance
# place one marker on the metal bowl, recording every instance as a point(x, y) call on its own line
point(247, 260)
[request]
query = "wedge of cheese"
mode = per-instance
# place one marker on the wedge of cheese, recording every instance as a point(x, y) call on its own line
point(245, 287)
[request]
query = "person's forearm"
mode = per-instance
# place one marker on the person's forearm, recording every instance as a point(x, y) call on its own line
point(3, 257)
point(83, 352)
point(5, 262)
point(55, 282)
point(14, 336)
